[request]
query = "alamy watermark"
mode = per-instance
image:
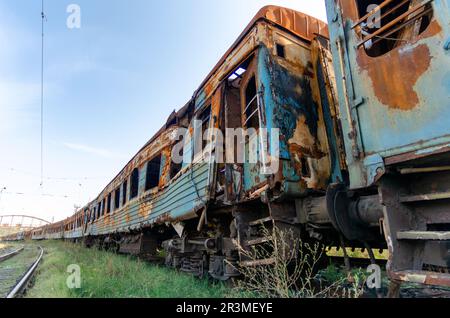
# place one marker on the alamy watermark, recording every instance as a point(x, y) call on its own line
point(238, 146)
point(74, 19)
point(73, 281)
point(373, 281)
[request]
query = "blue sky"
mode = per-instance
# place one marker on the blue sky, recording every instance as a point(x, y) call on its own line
point(109, 86)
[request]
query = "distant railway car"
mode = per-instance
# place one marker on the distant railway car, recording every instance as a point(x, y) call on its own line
point(55, 231)
point(38, 234)
point(392, 63)
point(14, 237)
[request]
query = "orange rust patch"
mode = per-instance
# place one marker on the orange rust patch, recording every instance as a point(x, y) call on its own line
point(349, 9)
point(144, 209)
point(394, 74)
point(165, 175)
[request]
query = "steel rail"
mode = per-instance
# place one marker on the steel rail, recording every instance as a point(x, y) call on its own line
point(26, 277)
point(9, 255)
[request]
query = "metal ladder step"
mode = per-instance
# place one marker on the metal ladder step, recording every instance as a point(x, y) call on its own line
point(422, 277)
point(425, 197)
point(261, 221)
point(423, 235)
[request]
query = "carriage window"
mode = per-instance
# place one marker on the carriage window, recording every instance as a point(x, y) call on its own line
point(251, 113)
point(280, 50)
point(134, 183)
point(108, 206)
point(387, 24)
point(103, 206)
point(117, 199)
point(152, 175)
point(124, 192)
point(99, 210)
point(175, 168)
point(205, 118)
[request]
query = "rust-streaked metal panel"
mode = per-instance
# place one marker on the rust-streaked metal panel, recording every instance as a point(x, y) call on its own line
point(394, 103)
point(298, 23)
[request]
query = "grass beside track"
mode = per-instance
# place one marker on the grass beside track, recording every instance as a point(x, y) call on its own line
point(107, 275)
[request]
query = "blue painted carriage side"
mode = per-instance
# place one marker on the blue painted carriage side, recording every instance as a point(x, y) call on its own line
point(383, 127)
point(287, 96)
point(336, 173)
point(177, 201)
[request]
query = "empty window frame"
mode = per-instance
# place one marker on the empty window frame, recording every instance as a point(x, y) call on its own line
point(108, 204)
point(235, 77)
point(124, 192)
point(117, 199)
point(175, 168)
point(205, 118)
point(387, 24)
point(281, 51)
point(134, 183)
point(251, 111)
point(153, 173)
point(99, 210)
point(103, 206)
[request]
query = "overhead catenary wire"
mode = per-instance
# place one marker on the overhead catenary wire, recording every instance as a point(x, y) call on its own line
point(43, 17)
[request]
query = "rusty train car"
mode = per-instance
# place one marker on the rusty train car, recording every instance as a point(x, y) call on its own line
point(393, 82)
point(364, 146)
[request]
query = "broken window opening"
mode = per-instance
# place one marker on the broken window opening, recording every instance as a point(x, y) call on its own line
point(134, 183)
point(235, 77)
point(117, 199)
point(175, 168)
point(281, 52)
point(103, 206)
point(205, 118)
point(237, 74)
point(124, 192)
point(99, 209)
point(387, 24)
point(251, 111)
point(153, 173)
point(108, 206)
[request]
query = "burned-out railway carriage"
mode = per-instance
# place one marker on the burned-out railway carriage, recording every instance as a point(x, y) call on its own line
point(361, 108)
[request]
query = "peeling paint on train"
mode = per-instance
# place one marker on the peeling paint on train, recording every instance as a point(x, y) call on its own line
point(402, 111)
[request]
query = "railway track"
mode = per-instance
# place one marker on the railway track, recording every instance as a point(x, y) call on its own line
point(17, 271)
point(7, 253)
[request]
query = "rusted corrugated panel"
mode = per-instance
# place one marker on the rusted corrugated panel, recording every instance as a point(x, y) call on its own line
point(178, 201)
point(298, 23)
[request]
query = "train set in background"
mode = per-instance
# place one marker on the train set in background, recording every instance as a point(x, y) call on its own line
point(364, 148)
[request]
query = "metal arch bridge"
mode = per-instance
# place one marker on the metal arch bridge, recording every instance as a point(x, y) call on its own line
point(10, 224)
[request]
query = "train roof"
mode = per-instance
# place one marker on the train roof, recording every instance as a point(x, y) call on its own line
point(298, 23)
